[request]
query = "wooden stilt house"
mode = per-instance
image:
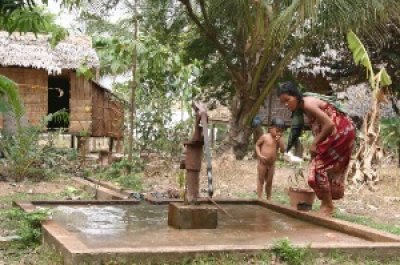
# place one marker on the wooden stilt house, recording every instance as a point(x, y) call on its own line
point(48, 82)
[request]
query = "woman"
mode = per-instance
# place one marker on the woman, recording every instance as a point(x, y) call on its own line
point(331, 148)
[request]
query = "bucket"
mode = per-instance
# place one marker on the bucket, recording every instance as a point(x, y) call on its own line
point(301, 199)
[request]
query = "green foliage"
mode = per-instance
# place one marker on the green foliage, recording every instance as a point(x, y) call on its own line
point(60, 117)
point(35, 19)
point(394, 229)
point(132, 181)
point(115, 53)
point(10, 100)
point(85, 71)
point(73, 193)
point(165, 78)
point(47, 255)
point(116, 173)
point(28, 225)
point(390, 132)
point(22, 150)
point(57, 34)
point(360, 56)
point(290, 254)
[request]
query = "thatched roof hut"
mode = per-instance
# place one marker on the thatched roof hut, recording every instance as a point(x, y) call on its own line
point(32, 51)
point(47, 80)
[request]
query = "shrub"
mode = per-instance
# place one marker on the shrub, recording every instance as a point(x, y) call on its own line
point(28, 225)
point(286, 252)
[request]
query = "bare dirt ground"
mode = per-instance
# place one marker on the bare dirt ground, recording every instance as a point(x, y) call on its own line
point(44, 187)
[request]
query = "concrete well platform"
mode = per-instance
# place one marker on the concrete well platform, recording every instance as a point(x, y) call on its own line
point(202, 216)
point(135, 233)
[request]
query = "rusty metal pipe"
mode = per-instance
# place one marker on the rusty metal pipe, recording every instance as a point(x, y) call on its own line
point(193, 156)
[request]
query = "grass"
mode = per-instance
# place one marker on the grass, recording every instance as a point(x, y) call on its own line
point(15, 222)
point(391, 228)
point(280, 196)
point(290, 254)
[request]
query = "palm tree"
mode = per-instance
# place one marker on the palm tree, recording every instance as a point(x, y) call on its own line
point(257, 39)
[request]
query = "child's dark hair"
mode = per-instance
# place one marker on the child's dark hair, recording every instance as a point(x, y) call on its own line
point(291, 89)
point(278, 123)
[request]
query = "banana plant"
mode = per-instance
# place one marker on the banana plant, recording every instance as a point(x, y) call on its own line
point(360, 57)
point(363, 167)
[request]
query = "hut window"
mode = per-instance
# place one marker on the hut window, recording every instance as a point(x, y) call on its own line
point(58, 98)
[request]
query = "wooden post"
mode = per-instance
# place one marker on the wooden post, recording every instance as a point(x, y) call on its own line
point(119, 146)
point(72, 141)
point(82, 147)
point(111, 145)
point(94, 141)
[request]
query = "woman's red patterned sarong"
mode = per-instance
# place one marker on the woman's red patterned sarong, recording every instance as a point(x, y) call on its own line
point(333, 154)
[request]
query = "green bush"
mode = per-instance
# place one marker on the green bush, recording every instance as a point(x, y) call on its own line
point(390, 131)
point(131, 181)
point(28, 225)
point(288, 253)
point(117, 173)
point(22, 150)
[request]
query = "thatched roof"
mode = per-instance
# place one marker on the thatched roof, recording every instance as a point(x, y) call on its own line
point(28, 50)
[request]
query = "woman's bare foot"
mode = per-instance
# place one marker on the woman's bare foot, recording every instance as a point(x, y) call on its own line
point(327, 209)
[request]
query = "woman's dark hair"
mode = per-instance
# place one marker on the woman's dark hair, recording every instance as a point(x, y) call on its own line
point(290, 89)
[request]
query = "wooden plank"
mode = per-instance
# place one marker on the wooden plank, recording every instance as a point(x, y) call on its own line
point(72, 87)
point(36, 108)
point(98, 117)
point(88, 89)
point(83, 109)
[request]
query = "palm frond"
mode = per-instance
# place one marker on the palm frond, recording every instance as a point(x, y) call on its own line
point(9, 90)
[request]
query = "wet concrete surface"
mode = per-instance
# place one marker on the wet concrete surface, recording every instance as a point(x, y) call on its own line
point(145, 225)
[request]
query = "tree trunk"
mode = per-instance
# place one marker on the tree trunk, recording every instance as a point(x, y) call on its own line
point(239, 131)
point(363, 167)
point(398, 155)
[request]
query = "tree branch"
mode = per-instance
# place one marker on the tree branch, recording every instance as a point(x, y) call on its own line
point(273, 76)
point(210, 35)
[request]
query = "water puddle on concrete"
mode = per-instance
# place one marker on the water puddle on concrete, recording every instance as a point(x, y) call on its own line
point(145, 225)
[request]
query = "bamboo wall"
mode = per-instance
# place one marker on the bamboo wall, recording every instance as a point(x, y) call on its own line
point(108, 114)
point(32, 84)
point(80, 104)
point(93, 110)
